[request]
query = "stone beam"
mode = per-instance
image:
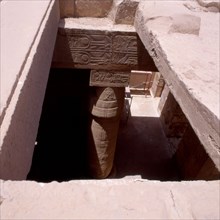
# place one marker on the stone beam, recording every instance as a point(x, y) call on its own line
point(184, 43)
point(81, 44)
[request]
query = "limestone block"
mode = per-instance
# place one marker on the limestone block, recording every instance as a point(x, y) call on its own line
point(92, 8)
point(66, 8)
point(125, 12)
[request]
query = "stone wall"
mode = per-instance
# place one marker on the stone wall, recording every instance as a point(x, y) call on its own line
point(33, 53)
point(192, 159)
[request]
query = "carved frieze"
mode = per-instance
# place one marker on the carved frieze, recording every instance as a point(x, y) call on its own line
point(124, 49)
point(100, 49)
point(97, 49)
point(107, 78)
point(90, 49)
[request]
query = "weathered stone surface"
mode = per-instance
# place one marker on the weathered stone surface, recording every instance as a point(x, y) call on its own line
point(67, 8)
point(92, 8)
point(172, 118)
point(193, 161)
point(188, 63)
point(157, 85)
point(106, 108)
point(185, 24)
point(110, 199)
point(80, 44)
point(27, 42)
point(125, 12)
point(108, 78)
point(140, 81)
point(85, 8)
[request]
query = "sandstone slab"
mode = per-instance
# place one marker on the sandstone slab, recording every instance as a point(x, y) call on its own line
point(131, 198)
point(186, 52)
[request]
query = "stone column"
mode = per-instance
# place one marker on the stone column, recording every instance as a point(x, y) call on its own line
point(107, 100)
point(106, 108)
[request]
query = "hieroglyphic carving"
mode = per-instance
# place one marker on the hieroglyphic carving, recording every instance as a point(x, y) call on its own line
point(109, 78)
point(124, 50)
point(91, 47)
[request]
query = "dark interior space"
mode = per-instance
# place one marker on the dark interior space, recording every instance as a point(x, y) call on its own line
point(142, 147)
point(60, 151)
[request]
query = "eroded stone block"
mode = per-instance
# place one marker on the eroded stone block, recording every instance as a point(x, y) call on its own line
point(66, 8)
point(92, 8)
point(125, 12)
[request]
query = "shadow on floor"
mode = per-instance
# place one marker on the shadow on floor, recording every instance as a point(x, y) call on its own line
point(142, 149)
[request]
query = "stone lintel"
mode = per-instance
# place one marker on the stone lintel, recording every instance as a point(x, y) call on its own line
point(103, 46)
point(108, 78)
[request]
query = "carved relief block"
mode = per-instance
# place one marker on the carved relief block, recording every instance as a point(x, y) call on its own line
point(88, 48)
point(124, 50)
point(100, 49)
point(109, 78)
